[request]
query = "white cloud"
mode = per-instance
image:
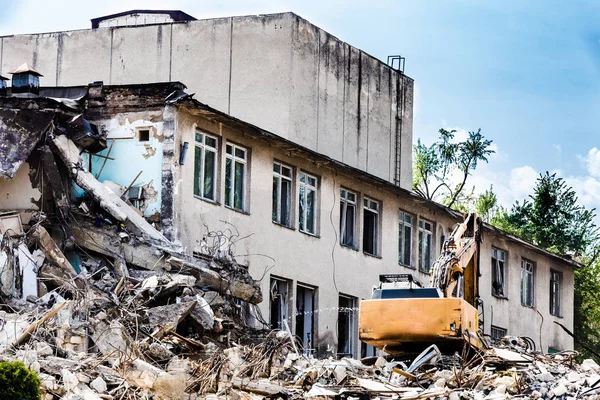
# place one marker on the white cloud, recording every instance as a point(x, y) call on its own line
point(558, 148)
point(522, 181)
point(592, 162)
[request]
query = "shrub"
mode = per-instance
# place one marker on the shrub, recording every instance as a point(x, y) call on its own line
point(18, 382)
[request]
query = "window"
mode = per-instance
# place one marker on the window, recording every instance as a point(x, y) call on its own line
point(497, 332)
point(405, 234)
point(346, 325)
point(305, 317)
point(498, 272)
point(527, 270)
point(555, 286)
point(282, 194)
point(280, 294)
point(347, 218)
point(205, 166)
point(370, 226)
point(235, 176)
point(308, 203)
point(144, 135)
point(425, 242)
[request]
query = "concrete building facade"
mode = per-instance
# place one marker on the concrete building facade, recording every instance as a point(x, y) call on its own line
point(277, 71)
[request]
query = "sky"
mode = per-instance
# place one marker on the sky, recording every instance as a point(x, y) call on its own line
point(526, 73)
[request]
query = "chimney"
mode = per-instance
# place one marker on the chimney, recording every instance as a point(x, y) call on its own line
point(25, 81)
point(3, 85)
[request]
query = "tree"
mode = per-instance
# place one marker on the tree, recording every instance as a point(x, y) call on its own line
point(434, 165)
point(552, 219)
point(486, 204)
point(18, 382)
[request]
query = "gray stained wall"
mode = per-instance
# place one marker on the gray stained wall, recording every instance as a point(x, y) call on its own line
point(277, 71)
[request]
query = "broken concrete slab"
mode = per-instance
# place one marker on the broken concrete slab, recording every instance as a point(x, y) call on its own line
point(166, 318)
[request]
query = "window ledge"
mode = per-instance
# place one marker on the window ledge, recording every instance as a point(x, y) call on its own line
point(406, 266)
point(525, 305)
point(371, 255)
point(557, 316)
point(499, 297)
point(216, 203)
point(237, 210)
point(291, 228)
point(310, 234)
point(349, 247)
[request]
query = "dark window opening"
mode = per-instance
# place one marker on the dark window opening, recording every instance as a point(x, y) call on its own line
point(370, 226)
point(279, 303)
point(144, 135)
point(555, 289)
point(498, 272)
point(347, 218)
point(346, 334)
point(305, 317)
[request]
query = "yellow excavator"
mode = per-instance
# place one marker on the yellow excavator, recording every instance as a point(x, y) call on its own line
point(404, 317)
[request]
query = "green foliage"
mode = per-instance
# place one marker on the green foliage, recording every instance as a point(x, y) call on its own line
point(434, 165)
point(18, 382)
point(552, 219)
point(587, 308)
point(486, 205)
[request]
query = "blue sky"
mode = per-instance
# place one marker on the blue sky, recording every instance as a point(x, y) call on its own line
point(527, 73)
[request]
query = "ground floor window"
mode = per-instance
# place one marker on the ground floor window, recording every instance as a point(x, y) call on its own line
point(346, 325)
point(279, 293)
point(497, 332)
point(305, 317)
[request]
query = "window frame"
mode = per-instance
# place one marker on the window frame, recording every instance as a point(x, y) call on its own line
point(344, 203)
point(280, 178)
point(229, 201)
point(421, 229)
point(204, 148)
point(497, 329)
point(525, 272)
point(555, 304)
point(402, 224)
point(495, 252)
point(367, 207)
point(303, 209)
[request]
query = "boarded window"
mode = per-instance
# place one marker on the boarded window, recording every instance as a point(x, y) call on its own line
point(555, 292)
point(308, 203)
point(347, 218)
point(371, 226)
point(235, 176)
point(282, 194)
point(405, 235)
point(205, 166)
point(425, 245)
point(498, 272)
point(527, 282)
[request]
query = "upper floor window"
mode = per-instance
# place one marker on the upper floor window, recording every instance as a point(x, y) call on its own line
point(555, 289)
point(347, 218)
point(205, 166)
point(527, 282)
point(370, 226)
point(498, 272)
point(405, 234)
point(425, 245)
point(235, 176)
point(282, 194)
point(308, 203)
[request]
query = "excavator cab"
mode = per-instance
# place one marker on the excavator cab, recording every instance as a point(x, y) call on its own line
point(404, 317)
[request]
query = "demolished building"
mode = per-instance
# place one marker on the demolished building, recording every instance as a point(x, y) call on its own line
point(196, 184)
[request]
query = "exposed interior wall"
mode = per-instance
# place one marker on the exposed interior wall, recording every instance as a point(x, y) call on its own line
point(21, 193)
point(276, 71)
point(130, 154)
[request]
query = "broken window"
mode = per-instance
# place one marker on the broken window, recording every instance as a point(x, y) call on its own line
point(497, 332)
point(279, 303)
point(346, 326)
point(308, 203)
point(205, 166)
point(425, 245)
point(282, 194)
point(235, 176)
point(555, 289)
point(370, 226)
point(305, 312)
point(405, 234)
point(347, 218)
point(527, 276)
point(498, 272)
